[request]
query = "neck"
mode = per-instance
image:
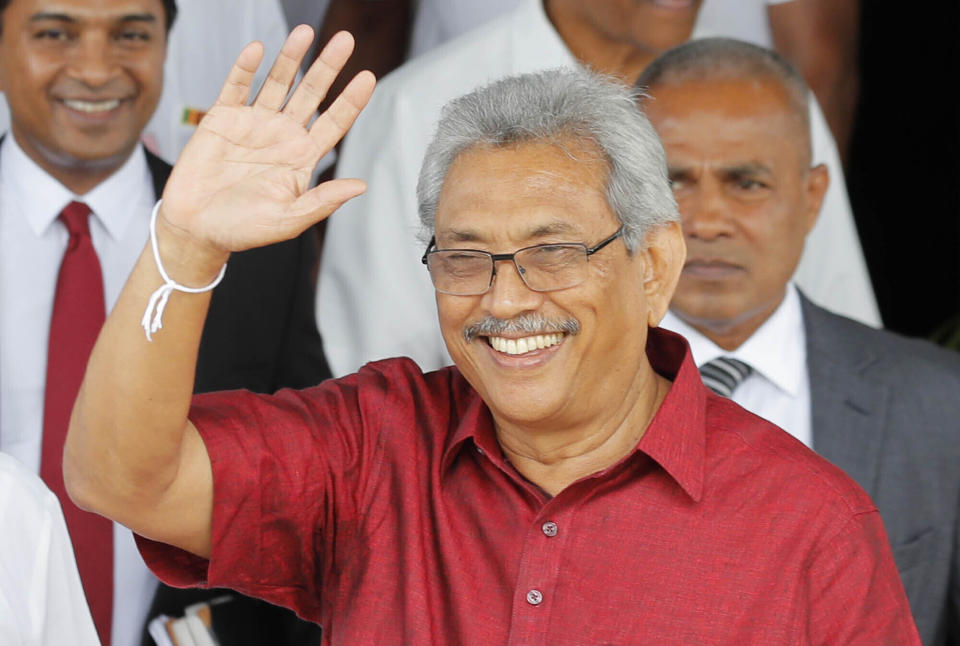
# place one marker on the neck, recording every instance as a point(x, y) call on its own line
point(600, 51)
point(79, 176)
point(556, 457)
point(730, 334)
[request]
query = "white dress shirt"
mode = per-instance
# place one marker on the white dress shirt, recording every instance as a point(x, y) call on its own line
point(41, 597)
point(375, 298)
point(32, 242)
point(778, 389)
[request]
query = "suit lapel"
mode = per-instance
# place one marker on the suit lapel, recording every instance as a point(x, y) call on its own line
point(848, 408)
point(159, 172)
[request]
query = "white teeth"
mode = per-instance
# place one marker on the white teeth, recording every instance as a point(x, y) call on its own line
point(524, 345)
point(92, 106)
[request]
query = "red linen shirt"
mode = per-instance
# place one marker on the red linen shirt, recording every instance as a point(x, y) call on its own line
point(380, 505)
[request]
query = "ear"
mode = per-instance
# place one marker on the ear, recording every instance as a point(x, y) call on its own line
point(815, 187)
point(663, 256)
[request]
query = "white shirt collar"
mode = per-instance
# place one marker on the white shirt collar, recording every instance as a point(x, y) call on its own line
point(777, 350)
point(41, 197)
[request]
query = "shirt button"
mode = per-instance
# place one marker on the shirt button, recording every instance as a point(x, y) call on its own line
point(534, 597)
point(549, 528)
point(479, 450)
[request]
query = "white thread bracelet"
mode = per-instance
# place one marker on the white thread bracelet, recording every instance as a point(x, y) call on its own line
point(158, 300)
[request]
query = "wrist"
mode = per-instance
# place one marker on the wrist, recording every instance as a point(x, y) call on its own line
point(187, 260)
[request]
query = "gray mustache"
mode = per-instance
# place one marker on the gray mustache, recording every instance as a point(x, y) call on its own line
point(523, 324)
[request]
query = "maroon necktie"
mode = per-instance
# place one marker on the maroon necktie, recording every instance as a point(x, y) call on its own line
point(78, 314)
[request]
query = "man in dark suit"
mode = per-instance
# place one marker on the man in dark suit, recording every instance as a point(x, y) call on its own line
point(82, 78)
point(884, 408)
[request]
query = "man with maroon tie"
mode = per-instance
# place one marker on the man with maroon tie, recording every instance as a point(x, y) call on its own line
point(82, 79)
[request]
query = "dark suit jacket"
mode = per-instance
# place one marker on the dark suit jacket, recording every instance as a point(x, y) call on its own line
point(886, 409)
point(260, 335)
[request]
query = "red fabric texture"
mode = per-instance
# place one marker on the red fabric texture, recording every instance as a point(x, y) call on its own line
point(79, 311)
point(380, 506)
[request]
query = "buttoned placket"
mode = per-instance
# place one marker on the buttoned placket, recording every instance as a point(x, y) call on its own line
point(548, 537)
point(539, 573)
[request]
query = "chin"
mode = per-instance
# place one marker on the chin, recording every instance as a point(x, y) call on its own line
point(525, 405)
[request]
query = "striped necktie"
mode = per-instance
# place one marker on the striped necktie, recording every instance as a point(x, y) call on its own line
point(723, 374)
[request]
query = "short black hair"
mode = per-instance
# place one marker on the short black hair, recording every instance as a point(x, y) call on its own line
point(169, 11)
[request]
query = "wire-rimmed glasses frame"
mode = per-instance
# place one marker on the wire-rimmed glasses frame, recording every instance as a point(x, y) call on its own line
point(543, 267)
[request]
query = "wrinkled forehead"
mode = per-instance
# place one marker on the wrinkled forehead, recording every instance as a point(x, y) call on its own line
point(524, 190)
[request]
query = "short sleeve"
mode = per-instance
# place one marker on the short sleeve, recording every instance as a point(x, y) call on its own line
point(288, 470)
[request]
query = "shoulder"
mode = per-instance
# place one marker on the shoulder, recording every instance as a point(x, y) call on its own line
point(747, 453)
point(882, 354)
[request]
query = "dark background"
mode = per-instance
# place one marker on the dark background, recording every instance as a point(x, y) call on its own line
point(904, 171)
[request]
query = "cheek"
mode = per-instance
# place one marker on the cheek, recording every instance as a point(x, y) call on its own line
point(454, 314)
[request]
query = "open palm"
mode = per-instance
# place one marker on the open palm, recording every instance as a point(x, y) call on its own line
point(243, 180)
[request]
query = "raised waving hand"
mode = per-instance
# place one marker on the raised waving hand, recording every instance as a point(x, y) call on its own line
point(243, 180)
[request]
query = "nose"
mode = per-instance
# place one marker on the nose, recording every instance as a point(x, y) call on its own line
point(93, 61)
point(509, 296)
point(704, 211)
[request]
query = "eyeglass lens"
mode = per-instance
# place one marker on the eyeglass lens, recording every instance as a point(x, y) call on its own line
point(542, 268)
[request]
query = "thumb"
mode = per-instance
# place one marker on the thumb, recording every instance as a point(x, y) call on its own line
point(319, 202)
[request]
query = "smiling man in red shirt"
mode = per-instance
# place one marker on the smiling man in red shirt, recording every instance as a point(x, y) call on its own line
point(569, 481)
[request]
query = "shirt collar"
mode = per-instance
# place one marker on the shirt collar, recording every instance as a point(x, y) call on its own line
point(41, 197)
point(777, 350)
point(675, 438)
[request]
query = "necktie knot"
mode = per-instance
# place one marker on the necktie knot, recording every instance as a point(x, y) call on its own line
point(76, 217)
point(723, 374)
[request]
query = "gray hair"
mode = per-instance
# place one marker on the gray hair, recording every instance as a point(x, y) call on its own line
point(557, 106)
point(729, 59)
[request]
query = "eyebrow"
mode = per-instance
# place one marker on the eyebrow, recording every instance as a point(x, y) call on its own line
point(65, 17)
point(746, 169)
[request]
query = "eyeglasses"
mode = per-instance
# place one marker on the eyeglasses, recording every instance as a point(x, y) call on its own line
point(542, 267)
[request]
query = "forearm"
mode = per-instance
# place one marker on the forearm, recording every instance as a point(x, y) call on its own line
point(129, 438)
point(241, 182)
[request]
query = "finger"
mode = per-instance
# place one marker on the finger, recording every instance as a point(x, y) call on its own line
point(318, 79)
point(332, 125)
point(319, 202)
point(236, 89)
point(285, 67)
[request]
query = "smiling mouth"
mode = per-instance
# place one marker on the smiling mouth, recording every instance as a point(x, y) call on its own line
point(92, 107)
point(525, 344)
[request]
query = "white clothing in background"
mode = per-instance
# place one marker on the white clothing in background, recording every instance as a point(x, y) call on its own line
point(375, 299)
point(32, 242)
point(41, 597)
point(741, 19)
point(437, 21)
point(779, 387)
point(203, 43)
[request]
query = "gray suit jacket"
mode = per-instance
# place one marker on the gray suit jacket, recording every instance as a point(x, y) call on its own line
point(886, 409)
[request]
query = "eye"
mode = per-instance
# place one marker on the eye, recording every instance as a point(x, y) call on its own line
point(678, 182)
point(552, 257)
point(750, 184)
point(134, 36)
point(460, 263)
point(52, 34)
